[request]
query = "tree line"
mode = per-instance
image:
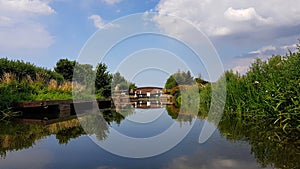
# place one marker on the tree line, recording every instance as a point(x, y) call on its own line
point(23, 81)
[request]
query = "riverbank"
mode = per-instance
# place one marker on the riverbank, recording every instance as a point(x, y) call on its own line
point(269, 89)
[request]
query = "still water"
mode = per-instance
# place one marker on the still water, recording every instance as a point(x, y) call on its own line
point(235, 144)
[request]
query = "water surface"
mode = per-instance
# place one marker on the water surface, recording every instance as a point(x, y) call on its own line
point(66, 145)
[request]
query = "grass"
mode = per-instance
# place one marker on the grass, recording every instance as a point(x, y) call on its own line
point(270, 89)
point(26, 89)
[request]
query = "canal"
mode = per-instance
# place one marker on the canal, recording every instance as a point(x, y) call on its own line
point(85, 142)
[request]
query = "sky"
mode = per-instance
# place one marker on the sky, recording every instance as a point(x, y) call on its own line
point(44, 31)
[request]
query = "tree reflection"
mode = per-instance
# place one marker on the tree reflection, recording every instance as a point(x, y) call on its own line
point(179, 115)
point(14, 136)
point(271, 146)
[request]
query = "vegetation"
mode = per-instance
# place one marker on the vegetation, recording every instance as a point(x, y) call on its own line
point(65, 67)
point(179, 78)
point(22, 70)
point(121, 83)
point(270, 89)
point(270, 145)
point(103, 80)
point(20, 81)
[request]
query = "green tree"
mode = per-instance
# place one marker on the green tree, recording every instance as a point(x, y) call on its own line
point(171, 83)
point(103, 80)
point(84, 74)
point(123, 84)
point(179, 78)
point(65, 67)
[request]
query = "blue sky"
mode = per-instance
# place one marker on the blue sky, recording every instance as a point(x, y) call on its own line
point(43, 31)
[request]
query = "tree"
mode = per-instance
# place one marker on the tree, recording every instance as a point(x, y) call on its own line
point(103, 80)
point(65, 67)
point(84, 74)
point(200, 81)
point(123, 84)
point(171, 83)
point(179, 78)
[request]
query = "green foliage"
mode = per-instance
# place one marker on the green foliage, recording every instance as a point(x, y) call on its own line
point(270, 145)
point(48, 94)
point(14, 136)
point(171, 83)
point(14, 92)
point(269, 89)
point(179, 78)
point(23, 70)
point(84, 74)
point(65, 67)
point(121, 82)
point(103, 80)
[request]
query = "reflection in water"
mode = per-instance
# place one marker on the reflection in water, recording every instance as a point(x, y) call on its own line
point(14, 137)
point(181, 116)
point(271, 147)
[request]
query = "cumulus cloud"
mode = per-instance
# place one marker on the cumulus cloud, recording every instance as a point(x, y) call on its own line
point(111, 2)
point(99, 22)
point(247, 14)
point(27, 6)
point(24, 36)
point(20, 27)
point(194, 162)
point(231, 17)
point(234, 27)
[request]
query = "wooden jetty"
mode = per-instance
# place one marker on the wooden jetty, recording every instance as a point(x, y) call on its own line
point(53, 109)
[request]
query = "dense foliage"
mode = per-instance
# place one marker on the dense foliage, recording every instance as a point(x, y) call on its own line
point(103, 80)
point(65, 67)
point(121, 83)
point(21, 81)
point(269, 89)
point(23, 70)
point(179, 78)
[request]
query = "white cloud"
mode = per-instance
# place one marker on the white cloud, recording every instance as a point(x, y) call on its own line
point(31, 6)
point(247, 14)
point(241, 64)
point(266, 52)
point(111, 2)
point(292, 47)
point(20, 27)
point(24, 36)
point(234, 26)
point(231, 17)
point(99, 22)
point(264, 49)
